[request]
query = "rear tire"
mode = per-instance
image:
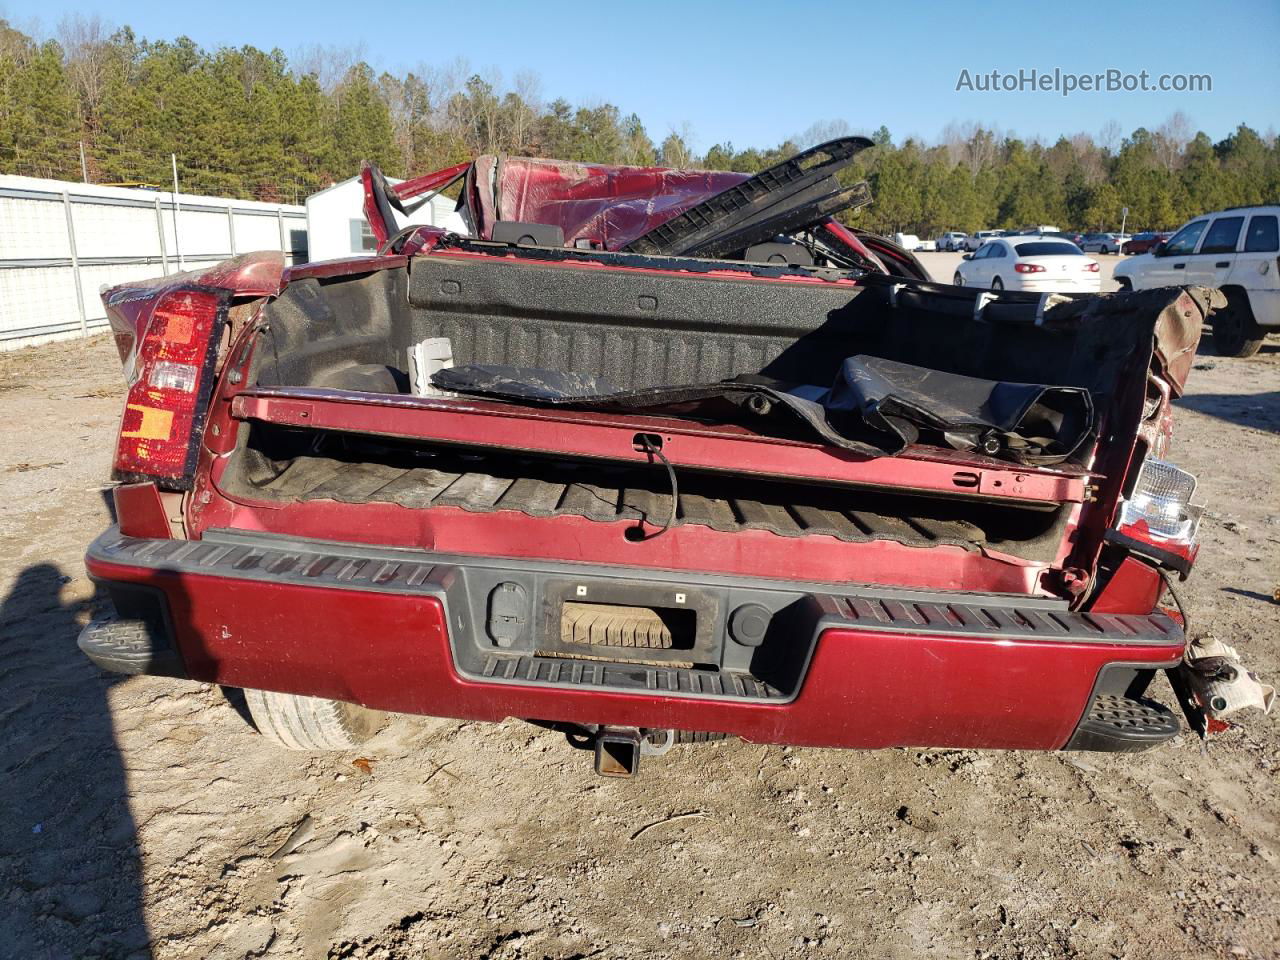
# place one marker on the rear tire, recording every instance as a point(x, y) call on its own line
point(997, 283)
point(311, 723)
point(1235, 332)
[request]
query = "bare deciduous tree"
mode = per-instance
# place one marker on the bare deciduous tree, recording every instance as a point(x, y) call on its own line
point(523, 105)
point(1090, 158)
point(328, 64)
point(1110, 135)
point(970, 143)
point(1171, 139)
point(821, 132)
point(676, 150)
point(86, 46)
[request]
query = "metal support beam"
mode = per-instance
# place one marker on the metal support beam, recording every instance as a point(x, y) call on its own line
point(177, 209)
point(75, 264)
point(164, 252)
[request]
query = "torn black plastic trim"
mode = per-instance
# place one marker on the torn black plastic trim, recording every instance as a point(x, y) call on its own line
point(777, 194)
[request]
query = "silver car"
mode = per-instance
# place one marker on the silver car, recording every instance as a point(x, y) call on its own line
point(1103, 242)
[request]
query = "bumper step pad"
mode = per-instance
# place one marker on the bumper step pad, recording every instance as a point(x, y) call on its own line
point(630, 677)
point(1118, 724)
point(130, 647)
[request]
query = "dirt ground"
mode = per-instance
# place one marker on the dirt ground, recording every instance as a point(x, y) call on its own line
point(143, 817)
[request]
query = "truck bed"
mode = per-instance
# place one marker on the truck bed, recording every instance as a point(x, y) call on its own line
point(479, 481)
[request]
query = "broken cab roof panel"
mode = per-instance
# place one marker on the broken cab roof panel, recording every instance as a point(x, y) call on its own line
point(650, 209)
point(607, 205)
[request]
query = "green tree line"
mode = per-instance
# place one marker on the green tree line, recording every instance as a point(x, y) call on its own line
point(249, 123)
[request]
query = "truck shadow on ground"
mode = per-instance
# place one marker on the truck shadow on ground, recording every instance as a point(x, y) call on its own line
point(69, 858)
point(1251, 594)
point(1258, 410)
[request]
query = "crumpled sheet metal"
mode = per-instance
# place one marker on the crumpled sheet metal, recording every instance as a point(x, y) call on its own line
point(589, 201)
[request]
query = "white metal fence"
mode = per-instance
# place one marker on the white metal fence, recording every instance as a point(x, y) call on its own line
point(60, 243)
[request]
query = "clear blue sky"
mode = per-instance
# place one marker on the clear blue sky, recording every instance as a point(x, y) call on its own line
point(756, 72)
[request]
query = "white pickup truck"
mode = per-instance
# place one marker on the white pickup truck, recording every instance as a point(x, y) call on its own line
point(910, 241)
point(1236, 250)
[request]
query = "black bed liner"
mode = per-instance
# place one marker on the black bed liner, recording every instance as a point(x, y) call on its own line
point(641, 329)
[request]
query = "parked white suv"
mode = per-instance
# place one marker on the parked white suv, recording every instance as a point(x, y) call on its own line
point(952, 240)
point(1236, 250)
point(974, 241)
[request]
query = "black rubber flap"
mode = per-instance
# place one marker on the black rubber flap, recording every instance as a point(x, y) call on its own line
point(875, 406)
point(1026, 422)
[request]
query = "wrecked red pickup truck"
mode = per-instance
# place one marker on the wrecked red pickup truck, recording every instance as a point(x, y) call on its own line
point(652, 457)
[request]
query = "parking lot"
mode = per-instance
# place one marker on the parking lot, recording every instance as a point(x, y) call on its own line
point(145, 818)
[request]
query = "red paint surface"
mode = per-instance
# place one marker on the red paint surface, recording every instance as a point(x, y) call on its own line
point(685, 443)
point(1133, 588)
point(610, 205)
point(140, 511)
point(347, 266)
point(507, 533)
point(863, 689)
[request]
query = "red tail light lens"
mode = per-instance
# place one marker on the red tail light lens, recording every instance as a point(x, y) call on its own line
point(170, 377)
point(1091, 267)
point(1028, 268)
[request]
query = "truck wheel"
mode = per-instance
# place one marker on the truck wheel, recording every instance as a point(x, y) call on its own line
point(1235, 332)
point(311, 723)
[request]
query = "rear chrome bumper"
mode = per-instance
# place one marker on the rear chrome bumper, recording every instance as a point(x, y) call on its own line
point(474, 638)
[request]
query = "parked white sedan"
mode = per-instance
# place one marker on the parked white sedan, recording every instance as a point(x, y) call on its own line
point(1038, 264)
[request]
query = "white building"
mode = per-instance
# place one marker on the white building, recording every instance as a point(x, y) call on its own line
point(62, 242)
point(336, 225)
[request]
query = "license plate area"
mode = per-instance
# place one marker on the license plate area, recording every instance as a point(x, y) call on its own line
point(642, 623)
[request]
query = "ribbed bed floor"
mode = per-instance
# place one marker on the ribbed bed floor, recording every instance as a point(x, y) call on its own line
point(619, 493)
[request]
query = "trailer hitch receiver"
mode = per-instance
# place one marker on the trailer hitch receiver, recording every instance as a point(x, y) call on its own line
point(617, 751)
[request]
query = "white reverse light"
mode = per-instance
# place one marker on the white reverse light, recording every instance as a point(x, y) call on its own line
point(167, 375)
point(1162, 497)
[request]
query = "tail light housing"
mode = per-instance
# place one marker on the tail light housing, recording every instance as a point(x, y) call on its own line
point(169, 372)
point(1159, 519)
point(1091, 266)
point(1028, 268)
